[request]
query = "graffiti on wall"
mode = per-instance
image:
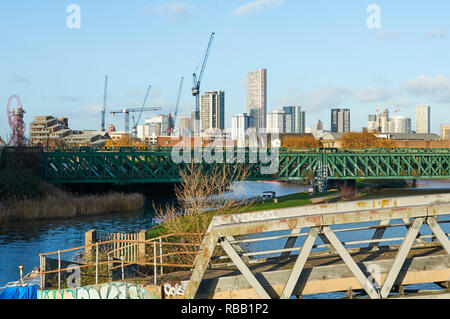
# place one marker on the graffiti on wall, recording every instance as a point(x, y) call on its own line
point(114, 290)
point(174, 289)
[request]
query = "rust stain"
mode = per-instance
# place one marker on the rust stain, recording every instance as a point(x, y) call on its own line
point(292, 223)
point(257, 229)
point(362, 204)
point(385, 202)
point(316, 220)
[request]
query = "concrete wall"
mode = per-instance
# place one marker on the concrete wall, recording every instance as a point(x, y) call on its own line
point(113, 290)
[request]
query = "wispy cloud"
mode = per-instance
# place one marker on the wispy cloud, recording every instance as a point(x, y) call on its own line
point(255, 6)
point(174, 9)
point(387, 35)
point(318, 99)
point(19, 79)
point(437, 88)
point(435, 34)
point(92, 109)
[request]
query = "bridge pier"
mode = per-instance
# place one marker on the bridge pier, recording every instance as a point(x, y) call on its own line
point(321, 185)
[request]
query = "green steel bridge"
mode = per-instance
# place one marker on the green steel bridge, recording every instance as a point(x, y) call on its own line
point(147, 165)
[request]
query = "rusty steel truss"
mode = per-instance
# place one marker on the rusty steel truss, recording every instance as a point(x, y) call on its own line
point(236, 235)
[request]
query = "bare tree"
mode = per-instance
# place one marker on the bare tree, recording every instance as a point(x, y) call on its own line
point(203, 193)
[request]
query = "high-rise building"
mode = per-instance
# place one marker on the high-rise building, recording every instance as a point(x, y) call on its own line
point(212, 110)
point(239, 127)
point(384, 122)
point(298, 118)
point(279, 121)
point(372, 123)
point(184, 124)
point(257, 98)
point(340, 120)
point(445, 132)
point(400, 124)
point(423, 119)
point(318, 126)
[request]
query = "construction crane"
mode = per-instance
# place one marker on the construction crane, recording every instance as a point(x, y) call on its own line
point(134, 130)
point(196, 87)
point(127, 112)
point(104, 104)
point(174, 120)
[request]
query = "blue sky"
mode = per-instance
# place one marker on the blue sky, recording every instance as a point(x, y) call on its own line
point(319, 54)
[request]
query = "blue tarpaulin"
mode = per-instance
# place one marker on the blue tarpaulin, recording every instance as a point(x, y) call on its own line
point(17, 292)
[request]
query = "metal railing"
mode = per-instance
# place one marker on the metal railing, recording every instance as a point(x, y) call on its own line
point(157, 252)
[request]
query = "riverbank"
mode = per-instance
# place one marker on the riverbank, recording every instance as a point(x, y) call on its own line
point(361, 191)
point(59, 205)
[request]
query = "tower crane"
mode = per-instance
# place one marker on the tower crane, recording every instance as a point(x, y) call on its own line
point(134, 130)
point(104, 104)
point(196, 87)
point(174, 120)
point(127, 112)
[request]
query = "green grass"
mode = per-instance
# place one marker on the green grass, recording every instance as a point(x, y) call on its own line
point(392, 192)
point(292, 200)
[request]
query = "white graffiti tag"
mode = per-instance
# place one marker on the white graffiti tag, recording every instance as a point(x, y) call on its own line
point(174, 290)
point(252, 217)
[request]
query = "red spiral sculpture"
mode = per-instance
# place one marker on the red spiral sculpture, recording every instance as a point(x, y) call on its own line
point(16, 123)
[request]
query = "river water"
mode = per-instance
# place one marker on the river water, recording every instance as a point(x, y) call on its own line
point(21, 243)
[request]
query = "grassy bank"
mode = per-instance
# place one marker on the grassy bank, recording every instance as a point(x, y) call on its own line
point(24, 196)
point(365, 190)
point(63, 205)
point(292, 200)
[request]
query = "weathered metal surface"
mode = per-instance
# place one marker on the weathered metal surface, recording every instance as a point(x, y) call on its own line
point(421, 209)
point(401, 256)
point(299, 264)
point(440, 235)
point(326, 277)
point(262, 293)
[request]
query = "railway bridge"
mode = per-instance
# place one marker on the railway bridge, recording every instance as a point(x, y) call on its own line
point(142, 165)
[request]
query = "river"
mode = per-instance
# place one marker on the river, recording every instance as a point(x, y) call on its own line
point(21, 243)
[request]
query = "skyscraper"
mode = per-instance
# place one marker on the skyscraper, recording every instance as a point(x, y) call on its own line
point(239, 126)
point(297, 117)
point(257, 97)
point(340, 120)
point(318, 126)
point(279, 121)
point(184, 124)
point(212, 110)
point(400, 124)
point(423, 119)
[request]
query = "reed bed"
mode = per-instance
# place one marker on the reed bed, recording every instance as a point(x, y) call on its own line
point(60, 205)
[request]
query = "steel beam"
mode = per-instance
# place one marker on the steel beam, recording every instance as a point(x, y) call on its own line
point(244, 269)
point(290, 242)
point(201, 263)
point(299, 263)
point(401, 256)
point(357, 272)
point(379, 232)
point(440, 235)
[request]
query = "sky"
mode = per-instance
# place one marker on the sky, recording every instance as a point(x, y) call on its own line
point(320, 55)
